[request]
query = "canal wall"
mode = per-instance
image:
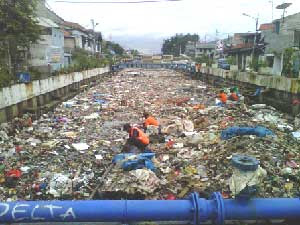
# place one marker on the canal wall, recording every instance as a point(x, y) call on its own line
point(280, 92)
point(40, 96)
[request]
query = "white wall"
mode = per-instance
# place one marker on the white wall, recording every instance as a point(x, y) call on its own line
point(21, 92)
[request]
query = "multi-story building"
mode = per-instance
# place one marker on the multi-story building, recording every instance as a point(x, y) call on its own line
point(198, 49)
point(58, 41)
point(84, 38)
point(242, 48)
point(205, 49)
point(280, 35)
point(190, 48)
point(47, 55)
point(167, 58)
point(156, 58)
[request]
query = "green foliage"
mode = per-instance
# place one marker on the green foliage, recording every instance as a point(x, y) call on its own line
point(115, 47)
point(288, 57)
point(134, 52)
point(203, 59)
point(231, 60)
point(5, 77)
point(262, 63)
point(177, 44)
point(18, 29)
point(254, 64)
point(83, 60)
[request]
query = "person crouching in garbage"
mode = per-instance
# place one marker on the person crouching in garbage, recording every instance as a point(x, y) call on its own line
point(222, 98)
point(150, 121)
point(137, 138)
point(233, 95)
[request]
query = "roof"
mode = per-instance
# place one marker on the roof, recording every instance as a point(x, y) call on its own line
point(287, 17)
point(240, 47)
point(44, 22)
point(244, 34)
point(75, 26)
point(205, 45)
point(266, 26)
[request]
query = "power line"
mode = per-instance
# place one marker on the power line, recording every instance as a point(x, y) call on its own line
point(115, 2)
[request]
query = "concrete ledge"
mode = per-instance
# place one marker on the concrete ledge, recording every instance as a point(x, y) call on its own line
point(21, 92)
point(36, 98)
point(281, 100)
point(291, 85)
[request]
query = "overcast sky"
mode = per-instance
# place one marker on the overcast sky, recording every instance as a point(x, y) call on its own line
point(144, 26)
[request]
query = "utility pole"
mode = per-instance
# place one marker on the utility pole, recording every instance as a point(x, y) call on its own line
point(94, 35)
point(255, 37)
point(272, 2)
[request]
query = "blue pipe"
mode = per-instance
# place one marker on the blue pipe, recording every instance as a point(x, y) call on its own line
point(194, 209)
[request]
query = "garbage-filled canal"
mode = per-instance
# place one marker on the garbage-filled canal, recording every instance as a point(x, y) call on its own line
point(68, 153)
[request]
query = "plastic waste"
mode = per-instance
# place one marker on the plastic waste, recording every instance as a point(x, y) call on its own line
point(129, 161)
point(80, 146)
point(247, 174)
point(296, 135)
point(239, 131)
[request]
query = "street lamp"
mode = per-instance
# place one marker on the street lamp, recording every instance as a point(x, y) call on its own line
point(256, 20)
point(255, 37)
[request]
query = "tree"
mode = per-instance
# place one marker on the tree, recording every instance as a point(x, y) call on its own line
point(134, 52)
point(18, 29)
point(176, 44)
point(203, 59)
point(115, 47)
point(288, 69)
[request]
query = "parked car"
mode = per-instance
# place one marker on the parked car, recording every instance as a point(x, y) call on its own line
point(223, 64)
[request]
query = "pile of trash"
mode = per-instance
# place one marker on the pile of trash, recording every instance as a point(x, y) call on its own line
point(69, 153)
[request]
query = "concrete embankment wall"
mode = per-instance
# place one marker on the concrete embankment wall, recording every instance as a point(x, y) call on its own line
point(281, 91)
point(41, 95)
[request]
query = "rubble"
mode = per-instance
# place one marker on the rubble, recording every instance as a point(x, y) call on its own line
point(64, 154)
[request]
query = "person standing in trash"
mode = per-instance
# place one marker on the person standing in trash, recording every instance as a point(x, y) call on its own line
point(233, 96)
point(150, 120)
point(222, 97)
point(136, 138)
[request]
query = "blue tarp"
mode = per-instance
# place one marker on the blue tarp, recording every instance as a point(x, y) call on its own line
point(143, 160)
point(239, 131)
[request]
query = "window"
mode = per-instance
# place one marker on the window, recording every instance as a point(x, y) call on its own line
point(46, 31)
point(270, 61)
point(297, 38)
